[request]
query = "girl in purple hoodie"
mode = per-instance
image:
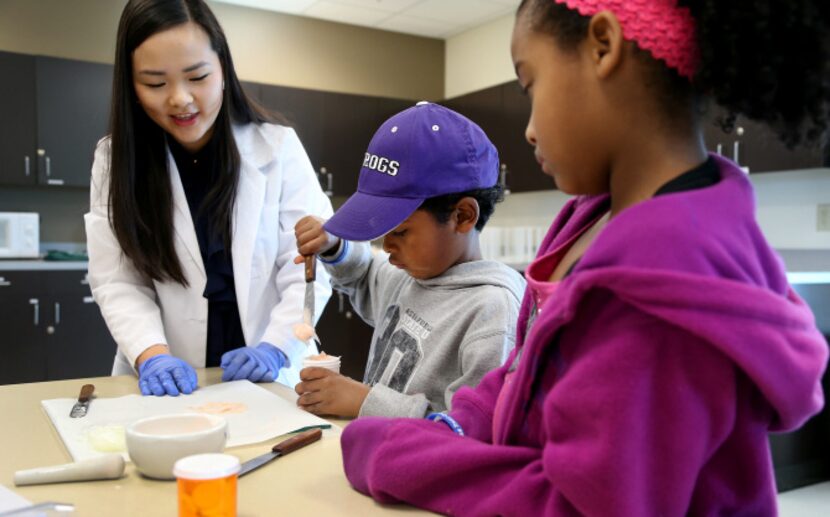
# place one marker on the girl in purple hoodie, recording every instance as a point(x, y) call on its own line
point(659, 341)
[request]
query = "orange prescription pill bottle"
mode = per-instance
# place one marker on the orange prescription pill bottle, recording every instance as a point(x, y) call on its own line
point(207, 485)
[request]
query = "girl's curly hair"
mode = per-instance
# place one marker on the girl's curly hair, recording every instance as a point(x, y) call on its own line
point(768, 60)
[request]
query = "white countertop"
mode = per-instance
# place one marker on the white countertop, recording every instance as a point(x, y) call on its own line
point(43, 265)
point(808, 501)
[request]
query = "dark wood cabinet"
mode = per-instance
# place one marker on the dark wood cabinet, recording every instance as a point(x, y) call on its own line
point(335, 129)
point(343, 333)
point(253, 91)
point(23, 345)
point(55, 330)
point(54, 112)
point(80, 344)
point(73, 104)
point(387, 107)
point(523, 172)
point(485, 108)
point(18, 133)
point(350, 121)
point(302, 110)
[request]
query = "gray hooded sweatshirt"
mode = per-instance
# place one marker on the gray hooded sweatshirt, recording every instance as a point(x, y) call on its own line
point(431, 336)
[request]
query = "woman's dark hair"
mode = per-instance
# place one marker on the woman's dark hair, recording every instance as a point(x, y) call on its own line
point(140, 196)
point(768, 60)
point(441, 207)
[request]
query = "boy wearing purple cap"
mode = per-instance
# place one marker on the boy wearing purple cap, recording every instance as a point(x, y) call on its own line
point(443, 316)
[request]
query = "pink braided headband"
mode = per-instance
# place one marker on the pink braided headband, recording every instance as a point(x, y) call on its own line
point(663, 28)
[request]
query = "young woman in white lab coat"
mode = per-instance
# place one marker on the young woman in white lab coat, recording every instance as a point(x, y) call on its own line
point(194, 198)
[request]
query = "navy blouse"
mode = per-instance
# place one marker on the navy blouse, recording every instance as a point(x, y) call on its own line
point(199, 173)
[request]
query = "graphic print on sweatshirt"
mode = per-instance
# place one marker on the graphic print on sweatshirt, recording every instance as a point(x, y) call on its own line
point(398, 350)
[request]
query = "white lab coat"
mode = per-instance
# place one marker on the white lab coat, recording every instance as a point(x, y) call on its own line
point(277, 186)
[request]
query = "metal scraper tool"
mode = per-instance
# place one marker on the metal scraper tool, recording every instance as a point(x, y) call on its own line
point(80, 408)
point(308, 306)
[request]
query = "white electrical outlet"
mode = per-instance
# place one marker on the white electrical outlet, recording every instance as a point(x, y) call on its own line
point(823, 218)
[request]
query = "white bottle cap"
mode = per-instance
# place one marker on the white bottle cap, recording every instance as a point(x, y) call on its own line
point(206, 466)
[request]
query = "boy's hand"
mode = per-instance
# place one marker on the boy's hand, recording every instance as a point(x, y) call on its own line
point(324, 392)
point(312, 239)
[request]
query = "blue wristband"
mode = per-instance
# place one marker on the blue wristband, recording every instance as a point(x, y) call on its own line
point(447, 419)
point(339, 257)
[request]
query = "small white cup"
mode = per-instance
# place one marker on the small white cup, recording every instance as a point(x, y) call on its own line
point(331, 363)
point(155, 443)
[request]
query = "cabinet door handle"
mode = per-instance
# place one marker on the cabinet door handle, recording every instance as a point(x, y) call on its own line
point(88, 299)
point(340, 302)
point(27, 166)
point(36, 303)
point(57, 313)
point(85, 279)
point(48, 166)
point(719, 149)
point(736, 146)
point(41, 157)
point(736, 152)
point(503, 178)
point(4, 282)
point(329, 181)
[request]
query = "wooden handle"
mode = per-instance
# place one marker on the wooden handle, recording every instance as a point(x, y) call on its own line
point(86, 392)
point(296, 442)
point(310, 268)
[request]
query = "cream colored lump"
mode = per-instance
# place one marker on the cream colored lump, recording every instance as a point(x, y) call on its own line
point(107, 438)
point(303, 331)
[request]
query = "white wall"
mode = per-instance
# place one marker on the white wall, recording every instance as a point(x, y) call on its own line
point(478, 58)
point(788, 208)
point(787, 211)
point(267, 47)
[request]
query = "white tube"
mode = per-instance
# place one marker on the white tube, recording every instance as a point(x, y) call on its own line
point(109, 466)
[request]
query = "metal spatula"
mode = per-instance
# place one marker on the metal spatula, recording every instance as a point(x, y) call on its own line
point(80, 408)
point(281, 449)
point(308, 306)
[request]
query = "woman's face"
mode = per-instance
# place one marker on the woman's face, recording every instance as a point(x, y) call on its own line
point(564, 109)
point(178, 80)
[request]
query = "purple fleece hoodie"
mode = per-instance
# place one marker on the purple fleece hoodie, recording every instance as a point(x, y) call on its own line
point(670, 351)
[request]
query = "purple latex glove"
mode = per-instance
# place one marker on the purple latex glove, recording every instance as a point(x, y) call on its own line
point(256, 364)
point(166, 375)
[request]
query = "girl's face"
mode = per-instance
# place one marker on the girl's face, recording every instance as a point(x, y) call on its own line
point(178, 80)
point(564, 104)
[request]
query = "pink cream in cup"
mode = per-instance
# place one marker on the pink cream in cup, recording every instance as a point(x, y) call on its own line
point(323, 360)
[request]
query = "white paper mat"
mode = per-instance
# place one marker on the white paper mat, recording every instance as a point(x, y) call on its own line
point(265, 414)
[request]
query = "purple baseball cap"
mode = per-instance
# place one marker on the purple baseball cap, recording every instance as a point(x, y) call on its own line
point(422, 152)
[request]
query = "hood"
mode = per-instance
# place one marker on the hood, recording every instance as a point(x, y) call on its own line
point(772, 338)
point(698, 260)
point(478, 273)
